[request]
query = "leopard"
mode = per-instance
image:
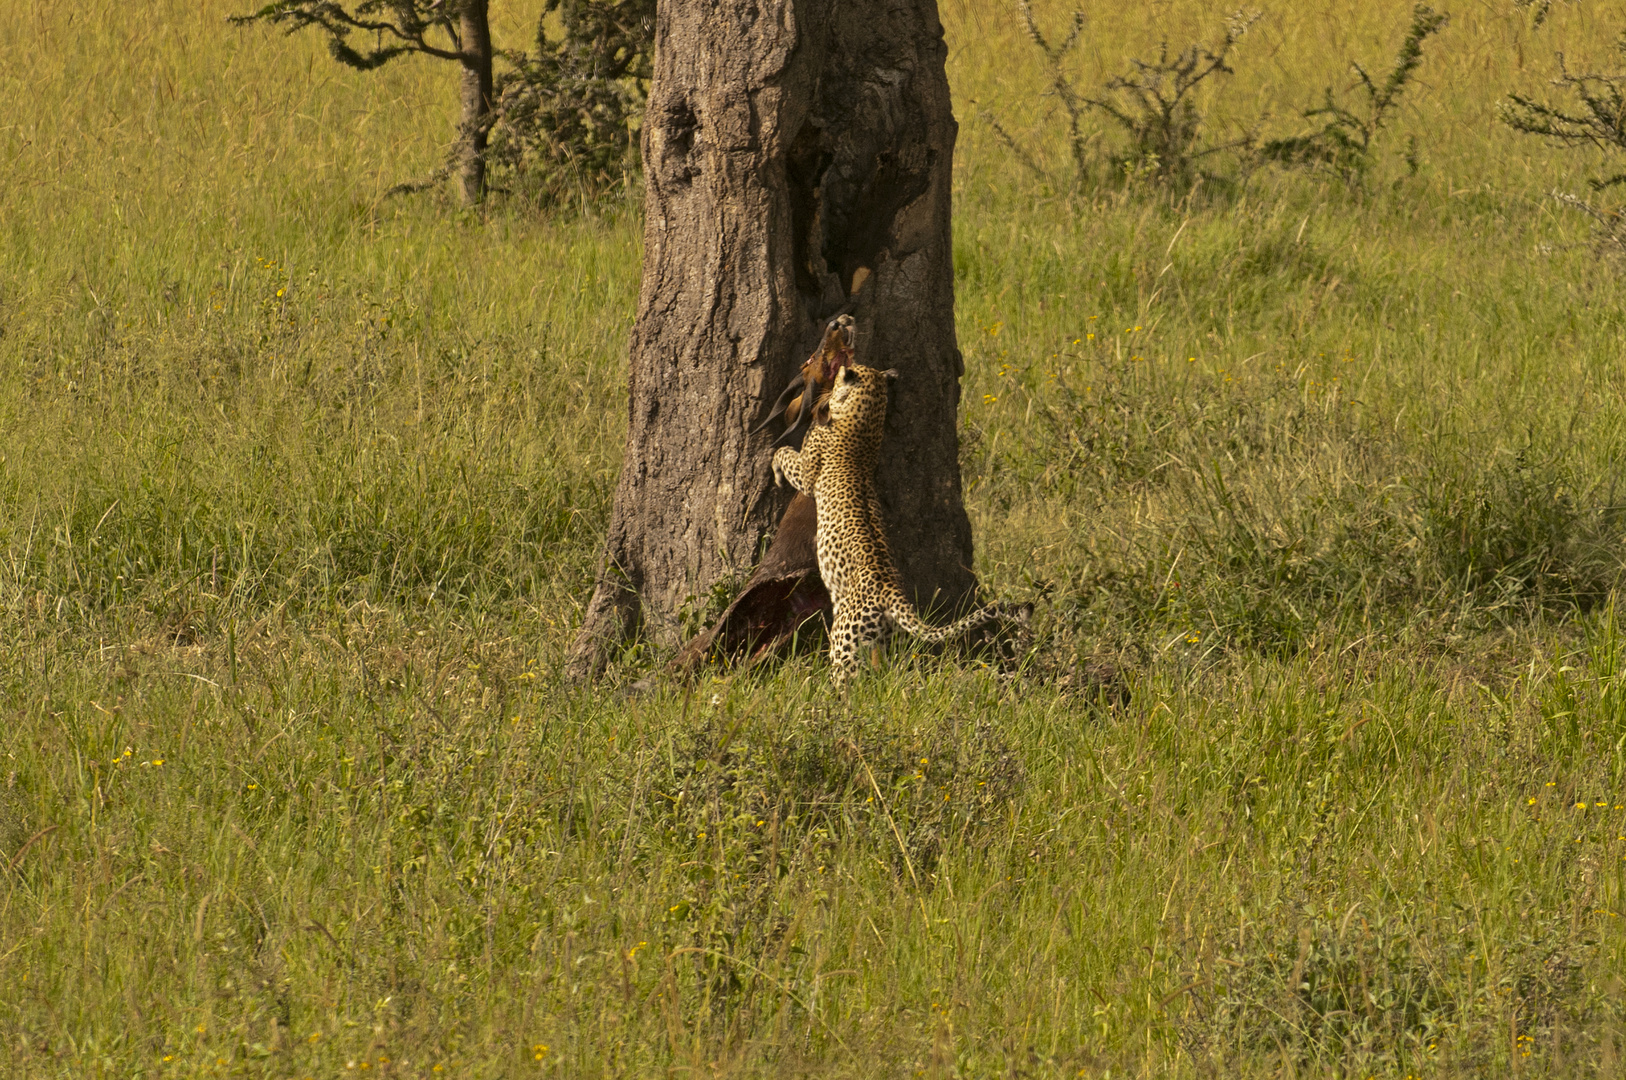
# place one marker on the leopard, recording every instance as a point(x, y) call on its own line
point(836, 467)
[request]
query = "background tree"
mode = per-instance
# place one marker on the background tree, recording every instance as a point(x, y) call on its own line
point(456, 30)
point(796, 164)
point(561, 118)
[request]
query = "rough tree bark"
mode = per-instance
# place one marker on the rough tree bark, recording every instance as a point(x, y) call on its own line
point(475, 86)
point(797, 160)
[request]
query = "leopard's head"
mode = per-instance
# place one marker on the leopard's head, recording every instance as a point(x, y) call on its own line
point(860, 392)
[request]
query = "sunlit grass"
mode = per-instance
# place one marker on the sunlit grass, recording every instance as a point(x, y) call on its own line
point(301, 488)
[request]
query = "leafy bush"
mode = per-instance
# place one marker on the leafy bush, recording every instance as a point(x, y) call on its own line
point(568, 113)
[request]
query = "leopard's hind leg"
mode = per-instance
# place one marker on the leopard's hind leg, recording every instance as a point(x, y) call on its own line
point(853, 633)
point(882, 639)
point(843, 645)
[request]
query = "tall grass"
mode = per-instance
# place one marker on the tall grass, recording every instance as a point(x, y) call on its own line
point(301, 488)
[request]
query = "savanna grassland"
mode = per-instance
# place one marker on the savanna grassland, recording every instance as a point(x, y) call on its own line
point(300, 491)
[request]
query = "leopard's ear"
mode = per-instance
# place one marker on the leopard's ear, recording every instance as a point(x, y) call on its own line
point(891, 374)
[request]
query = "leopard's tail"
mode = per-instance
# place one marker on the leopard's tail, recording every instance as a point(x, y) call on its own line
point(906, 618)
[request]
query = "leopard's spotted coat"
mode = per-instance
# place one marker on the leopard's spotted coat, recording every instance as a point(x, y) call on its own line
point(836, 466)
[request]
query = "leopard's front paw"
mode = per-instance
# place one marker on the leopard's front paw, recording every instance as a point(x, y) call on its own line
point(783, 462)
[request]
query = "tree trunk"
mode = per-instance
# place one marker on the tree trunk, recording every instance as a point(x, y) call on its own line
point(476, 89)
point(797, 164)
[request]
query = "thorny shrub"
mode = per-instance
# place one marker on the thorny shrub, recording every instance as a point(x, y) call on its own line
point(1342, 143)
point(1594, 117)
point(1154, 104)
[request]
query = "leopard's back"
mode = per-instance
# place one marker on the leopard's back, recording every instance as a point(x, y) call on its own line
point(854, 560)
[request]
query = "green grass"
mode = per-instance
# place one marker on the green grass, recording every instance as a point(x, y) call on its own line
point(301, 488)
